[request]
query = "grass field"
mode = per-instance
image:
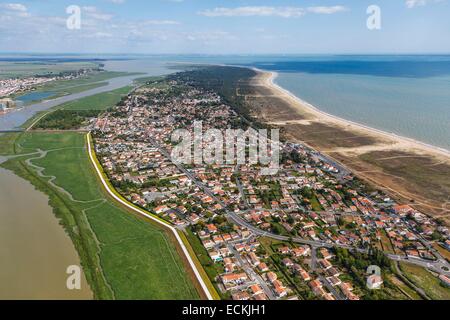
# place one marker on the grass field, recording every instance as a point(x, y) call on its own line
point(124, 256)
point(444, 252)
point(410, 293)
point(212, 269)
point(425, 280)
point(100, 101)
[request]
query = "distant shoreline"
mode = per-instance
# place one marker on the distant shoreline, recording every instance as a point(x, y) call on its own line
point(268, 78)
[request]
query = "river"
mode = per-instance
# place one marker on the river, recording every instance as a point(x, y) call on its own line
point(16, 118)
point(35, 251)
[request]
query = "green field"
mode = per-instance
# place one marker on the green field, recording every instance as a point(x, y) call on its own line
point(100, 101)
point(213, 270)
point(123, 256)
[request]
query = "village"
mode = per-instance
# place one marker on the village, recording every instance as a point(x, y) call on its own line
point(13, 86)
point(284, 236)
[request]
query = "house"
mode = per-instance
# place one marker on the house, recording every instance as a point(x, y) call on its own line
point(240, 295)
point(161, 209)
point(299, 270)
point(315, 284)
point(328, 296)
point(229, 267)
point(256, 289)
point(374, 281)
point(287, 262)
point(260, 296)
point(325, 264)
point(215, 256)
point(280, 290)
point(333, 272)
point(271, 276)
point(402, 210)
point(253, 259)
point(325, 253)
point(334, 281)
point(226, 237)
point(234, 278)
point(300, 251)
point(208, 244)
point(283, 250)
point(211, 228)
point(218, 239)
point(263, 267)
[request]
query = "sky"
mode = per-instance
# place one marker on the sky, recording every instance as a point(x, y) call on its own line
point(225, 27)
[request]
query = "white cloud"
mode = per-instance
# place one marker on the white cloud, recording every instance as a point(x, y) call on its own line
point(265, 11)
point(262, 11)
point(210, 36)
point(94, 13)
point(419, 3)
point(415, 3)
point(14, 7)
point(327, 10)
point(161, 22)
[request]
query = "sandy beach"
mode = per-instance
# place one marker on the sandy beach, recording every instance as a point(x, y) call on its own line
point(388, 141)
point(410, 171)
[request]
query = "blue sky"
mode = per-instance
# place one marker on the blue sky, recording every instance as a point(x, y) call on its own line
point(225, 27)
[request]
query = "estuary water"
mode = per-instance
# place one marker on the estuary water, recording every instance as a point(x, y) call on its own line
point(34, 249)
point(405, 95)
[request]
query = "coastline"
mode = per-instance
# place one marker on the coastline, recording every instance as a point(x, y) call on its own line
point(268, 79)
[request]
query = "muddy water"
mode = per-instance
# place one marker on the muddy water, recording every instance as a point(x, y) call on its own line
point(34, 249)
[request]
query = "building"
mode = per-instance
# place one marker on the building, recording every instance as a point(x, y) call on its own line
point(374, 282)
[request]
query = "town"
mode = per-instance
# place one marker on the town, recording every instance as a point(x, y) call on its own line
point(14, 86)
point(310, 231)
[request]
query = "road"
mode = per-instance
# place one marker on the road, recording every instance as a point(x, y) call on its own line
point(338, 295)
point(436, 266)
point(313, 258)
point(249, 270)
point(241, 188)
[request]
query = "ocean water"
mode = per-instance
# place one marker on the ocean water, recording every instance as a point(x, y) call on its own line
point(405, 95)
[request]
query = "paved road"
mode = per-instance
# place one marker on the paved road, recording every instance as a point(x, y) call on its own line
point(241, 188)
point(249, 270)
point(333, 290)
point(313, 258)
